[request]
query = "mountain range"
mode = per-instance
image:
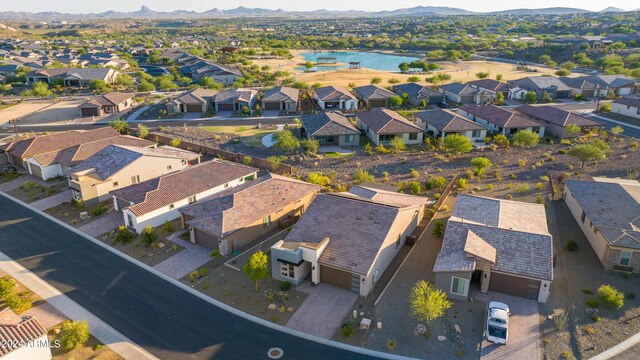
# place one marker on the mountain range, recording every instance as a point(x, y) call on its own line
point(146, 13)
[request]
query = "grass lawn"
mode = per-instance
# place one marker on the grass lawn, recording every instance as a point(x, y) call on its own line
point(335, 154)
point(92, 349)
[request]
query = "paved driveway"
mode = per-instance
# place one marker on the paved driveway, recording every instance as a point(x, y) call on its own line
point(321, 314)
point(186, 261)
point(103, 224)
point(524, 337)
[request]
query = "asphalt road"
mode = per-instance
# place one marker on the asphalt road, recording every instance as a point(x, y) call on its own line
point(632, 353)
point(166, 320)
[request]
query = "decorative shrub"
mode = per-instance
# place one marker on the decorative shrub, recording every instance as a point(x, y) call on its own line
point(610, 296)
point(571, 245)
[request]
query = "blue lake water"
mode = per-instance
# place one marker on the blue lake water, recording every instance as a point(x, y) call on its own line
point(369, 60)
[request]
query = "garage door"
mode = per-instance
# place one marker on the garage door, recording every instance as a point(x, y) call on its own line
point(624, 91)
point(36, 170)
point(335, 277)
point(514, 285)
point(378, 103)
point(272, 106)
point(90, 112)
point(194, 108)
point(588, 93)
point(225, 107)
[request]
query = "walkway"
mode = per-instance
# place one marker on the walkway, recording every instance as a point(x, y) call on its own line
point(103, 224)
point(103, 332)
point(321, 314)
point(524, 337)
point(137, 113)
point(52, 201)
point(191, 258)
point(267, 140)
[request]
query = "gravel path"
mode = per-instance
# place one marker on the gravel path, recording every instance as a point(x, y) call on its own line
point(186, 261)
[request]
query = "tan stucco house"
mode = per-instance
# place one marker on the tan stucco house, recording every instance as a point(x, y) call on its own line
point(489, 245)
point(500, 120)
point(117, 166)
point(381, 125)
point(154, 201)
point(110, 103)
point(329, 128)
point(557, 120)
point(195, 101)
point(608, 212)
point(234, 218)
point(347, 239)
point(442, 122)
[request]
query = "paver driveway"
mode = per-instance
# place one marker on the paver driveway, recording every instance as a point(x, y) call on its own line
point(103, 224)
point(524, 336)
point(322, 312)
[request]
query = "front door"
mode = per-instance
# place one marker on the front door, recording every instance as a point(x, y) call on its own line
point(355, 283)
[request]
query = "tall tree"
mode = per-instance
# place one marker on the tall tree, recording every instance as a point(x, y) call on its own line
point(427, 302)
point(257, 268)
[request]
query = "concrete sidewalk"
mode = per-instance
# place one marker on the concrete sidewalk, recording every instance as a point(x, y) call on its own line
point(103, 332)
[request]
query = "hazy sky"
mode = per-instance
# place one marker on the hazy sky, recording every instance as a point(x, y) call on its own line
point(86, 6)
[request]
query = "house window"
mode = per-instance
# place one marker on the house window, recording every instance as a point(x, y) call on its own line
point(584, 215)
point(625, 258)
point(115, 183)
point(475, 133)
point(348, 138)
point(192, 199)
point(413, 136)
point(266, 222)
point(168, 167)
point(386, 137)
point(536, 129)
point(458, 285)
point(135, 179)
point(171, 206)
point(288, 270)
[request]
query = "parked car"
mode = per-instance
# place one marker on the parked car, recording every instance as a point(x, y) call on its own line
point(498, 323)
point(8, 169)
point(443, 104)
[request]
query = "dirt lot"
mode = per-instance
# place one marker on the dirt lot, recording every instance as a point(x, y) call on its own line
point(43, 112)
point(22, 109)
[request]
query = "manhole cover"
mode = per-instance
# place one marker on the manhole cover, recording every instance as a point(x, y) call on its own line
point(275, 353)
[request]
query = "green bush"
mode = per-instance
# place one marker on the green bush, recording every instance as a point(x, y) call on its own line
point(436, 183)
point(7, 285)
point(587, 291)
point(28, 185)
point(347, 330)
point(214, 253)
point(462, 183)
point(592, 303)
point(202, 272)
point(74, 333)
point(610, 296)
point(415, 187)
point(123, 235)
point(571, 245)
point(99, 210)
point(438, 229)
point(285, 286)
point(149, 235)
point(361, 175)
point(167, 226)
point(18, 303)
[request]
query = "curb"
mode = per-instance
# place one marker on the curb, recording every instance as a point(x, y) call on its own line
point(212, 301)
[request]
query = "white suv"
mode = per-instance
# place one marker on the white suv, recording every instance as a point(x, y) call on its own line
point(498, 322)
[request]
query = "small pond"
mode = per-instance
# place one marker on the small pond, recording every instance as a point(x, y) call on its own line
point(369, 60)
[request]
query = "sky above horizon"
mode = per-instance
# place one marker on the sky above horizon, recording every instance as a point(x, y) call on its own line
point(92, 6)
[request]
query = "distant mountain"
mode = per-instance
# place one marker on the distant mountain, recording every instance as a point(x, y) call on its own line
point(611, 9)
point(544, 11)
point(147, 13)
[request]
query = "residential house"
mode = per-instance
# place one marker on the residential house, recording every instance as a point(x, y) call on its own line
point(236, 217)
point(152, 202)
point(458, 93)
point(8, 70)
point(281, 98)
point(373, 96)
point(626, 106)
point(580, 86)
point(235, 99)
point(73, 76)
point(49, 156)
point(416, 93)
point(606, 85)
point(23, 337)
point(500, 120)
point(381, 125)
point(489, 245)
point(557, 120)
point(491, 86)
point(347, 239)
point(607, 212)
point(117, 166)
point(444, 122)
point(329, 128)
point(551, 85)
point(332, 97)
point(110, 103)
point(195, 101)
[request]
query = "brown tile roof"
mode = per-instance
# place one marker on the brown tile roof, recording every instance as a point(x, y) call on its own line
point(180, 185)
point(385, 121)
point(109, 99)
point(373, 92)
point(556, 116)
point(328, 124)
point(332, 93)
point(490, 84)
point(447, 120)
point(233, 209)
point(281, 93)
point(59, 141)
point(27, 329)
point(197, 96)
point(500, 116)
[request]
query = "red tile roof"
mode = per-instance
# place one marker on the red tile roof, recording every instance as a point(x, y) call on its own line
point(59, 141)
point(28, 329)
point(499, 116)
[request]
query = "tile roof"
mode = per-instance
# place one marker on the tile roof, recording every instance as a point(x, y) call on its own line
point(545, 82)
point(356, 228)
point(609, 81)
point(196, 96)
point(490, 84)
point(459, 88)
point(447, 120)
point(628, 102)
point(281, 93)
point(385, 121)
point(500, 116)
point(333, 93)
point(156, 193)
point(578, 83)
point(229, 96)
point(233, 209)
point(556, 116)
point(523, 246)
point(415, 90)
point(79, 73)
point(613, 206)
point(114, 158)
point(59, 141)
point(21, 332)
point(373, 92)
point(109, 99)
point(328, 124)
point(380, 195)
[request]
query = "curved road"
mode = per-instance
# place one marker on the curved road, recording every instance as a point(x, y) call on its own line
point(165, 319)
